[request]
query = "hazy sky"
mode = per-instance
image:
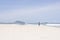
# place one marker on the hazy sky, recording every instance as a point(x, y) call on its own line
point(30, 10)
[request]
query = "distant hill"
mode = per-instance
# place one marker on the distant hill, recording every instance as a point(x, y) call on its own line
point(19, 22)
point(16, 22)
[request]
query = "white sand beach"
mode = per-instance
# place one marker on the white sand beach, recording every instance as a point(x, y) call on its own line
point(28, 32)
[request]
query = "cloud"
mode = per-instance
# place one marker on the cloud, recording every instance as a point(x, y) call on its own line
point(30, 12)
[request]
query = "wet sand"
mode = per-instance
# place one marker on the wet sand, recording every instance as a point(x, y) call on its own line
point(28, 32)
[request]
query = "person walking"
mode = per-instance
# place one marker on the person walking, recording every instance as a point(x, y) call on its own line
point(39, 23)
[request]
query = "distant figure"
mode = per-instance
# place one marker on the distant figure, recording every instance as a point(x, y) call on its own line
point(39, 23)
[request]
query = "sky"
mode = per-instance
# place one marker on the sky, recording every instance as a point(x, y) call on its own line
point(30, 10)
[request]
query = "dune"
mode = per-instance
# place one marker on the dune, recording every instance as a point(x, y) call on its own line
point(28, 32)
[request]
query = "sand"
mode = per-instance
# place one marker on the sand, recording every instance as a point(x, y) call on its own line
point(28, 32)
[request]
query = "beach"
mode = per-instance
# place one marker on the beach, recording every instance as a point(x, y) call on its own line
point(28, 32)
